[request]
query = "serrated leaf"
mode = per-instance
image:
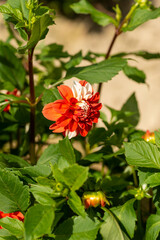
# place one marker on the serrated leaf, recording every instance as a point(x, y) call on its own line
point(77, 228)
point(141, 16)
point(14, 226)
point(97, 73)
point(142, 154)
point(40, 28)
point(14, 12)
point(75, 204)
point(134, 74)
point(14, 196)
point(21, 5)
point(84, 7)
point(69, 155)
point(131, 106)
point(153, 227)
point(38, 221)
point(110, 229)
point(127, 216)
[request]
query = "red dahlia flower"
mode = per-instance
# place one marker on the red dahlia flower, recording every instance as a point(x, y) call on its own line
point(17, 215)
point(15, 92)
point(76, 112)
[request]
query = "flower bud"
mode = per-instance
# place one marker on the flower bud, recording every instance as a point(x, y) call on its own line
point(94, 199)
point(149, 136)
point(59, 187)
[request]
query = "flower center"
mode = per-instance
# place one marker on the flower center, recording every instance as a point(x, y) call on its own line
point(84, 108)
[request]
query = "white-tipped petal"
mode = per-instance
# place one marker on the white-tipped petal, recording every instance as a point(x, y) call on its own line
point(70, 134)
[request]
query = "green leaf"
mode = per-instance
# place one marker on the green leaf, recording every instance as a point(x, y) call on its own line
point(131, 106)
point(141, 16)
point(21, 5)
point(14, 226)
point(75, 204)
point(14, 196)
point(50, 155)
point(5, 235)
point(77, 228)
point(11, 68)
point(20, 162)
point(51, 51)
point(43, 199)
point(84, 7)
point(127, 216)
point(97, 135)
point(67, 151)
point(134, 74)
point(75, 60)
point(157, 138)
point(74, 176)
point(97, 73)
point(142, 154)
point(110, 229)
point(36, 171)
point(13, 12)
point(38, 221)
point(147, 55)
point(49, 96)
point(40, 28)
point(153, 180)
point(153, 227)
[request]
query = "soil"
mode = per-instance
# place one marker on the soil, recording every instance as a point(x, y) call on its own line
point(76, 35)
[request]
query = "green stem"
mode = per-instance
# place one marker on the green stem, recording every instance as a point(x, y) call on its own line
point(139, 220)
point(134, 177)
point(33, 107)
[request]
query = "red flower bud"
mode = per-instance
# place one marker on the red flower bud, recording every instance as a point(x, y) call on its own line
point(94, 199)
point(17, 215)
point(149, 136)
point(16, 93)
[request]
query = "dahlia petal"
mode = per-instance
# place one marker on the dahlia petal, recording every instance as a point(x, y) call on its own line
point(84, 132)
point(81, 125)
point(94, 98)
point(63, 121)
point(57, 129)
point(83, 82)
point(96, 106)
point(70, 134)
point(65, 92)
point(50, 113)
point(73, 125)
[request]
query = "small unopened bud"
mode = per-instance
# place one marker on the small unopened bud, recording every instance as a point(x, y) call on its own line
point(149, 136)
point(59, 187)
point(94, 199)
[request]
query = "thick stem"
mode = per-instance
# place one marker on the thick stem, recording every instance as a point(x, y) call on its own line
point(32, 110)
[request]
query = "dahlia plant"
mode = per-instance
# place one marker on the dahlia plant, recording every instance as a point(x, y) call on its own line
point(78, 181)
